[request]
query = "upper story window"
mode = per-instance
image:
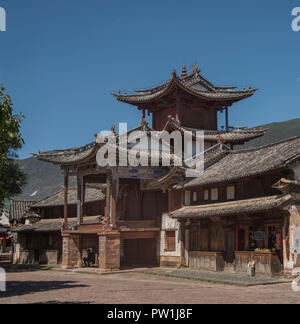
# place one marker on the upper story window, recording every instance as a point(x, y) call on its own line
point(195, 196)
point(187, 196)
point(215, 194)
point(230, 193)
point(206, 195)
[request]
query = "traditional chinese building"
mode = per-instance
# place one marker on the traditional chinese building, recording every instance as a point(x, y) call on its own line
point(155, 215)
point(242, 208)
point(38, 240)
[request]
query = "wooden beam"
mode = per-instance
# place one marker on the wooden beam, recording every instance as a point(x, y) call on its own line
point(115, 189)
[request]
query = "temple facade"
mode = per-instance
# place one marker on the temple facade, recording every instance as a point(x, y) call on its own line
point(243, 207)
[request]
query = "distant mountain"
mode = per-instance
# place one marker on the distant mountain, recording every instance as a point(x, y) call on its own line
point(276, 133)
point(45, 179)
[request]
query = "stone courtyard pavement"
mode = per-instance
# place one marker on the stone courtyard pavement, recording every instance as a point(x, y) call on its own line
point(48, 286)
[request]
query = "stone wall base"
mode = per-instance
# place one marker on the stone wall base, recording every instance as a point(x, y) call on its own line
point(71, 256)
point(109, 251)
point(170, 261)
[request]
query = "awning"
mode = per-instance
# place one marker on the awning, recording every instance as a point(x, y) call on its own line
point(232, 208)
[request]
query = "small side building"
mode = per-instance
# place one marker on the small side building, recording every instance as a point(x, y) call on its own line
point(5, 239)
point(39, 240)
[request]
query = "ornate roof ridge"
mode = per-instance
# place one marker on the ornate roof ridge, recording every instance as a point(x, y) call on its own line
point(67, 151)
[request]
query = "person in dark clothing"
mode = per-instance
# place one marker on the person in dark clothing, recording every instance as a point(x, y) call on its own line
point(90, 258)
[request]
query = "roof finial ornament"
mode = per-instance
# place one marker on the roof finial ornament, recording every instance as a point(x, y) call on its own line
point(174, 74)
point(113, 129)
point(184, 71)
point(196, 69)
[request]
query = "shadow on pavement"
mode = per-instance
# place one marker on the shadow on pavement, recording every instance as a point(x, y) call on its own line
point(10, 268)
point(20, 288)
point(55, 302)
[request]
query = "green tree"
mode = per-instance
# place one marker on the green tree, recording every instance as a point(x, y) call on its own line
point(12, 179)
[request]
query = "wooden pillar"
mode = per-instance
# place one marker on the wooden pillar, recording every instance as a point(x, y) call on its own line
point(177, 108)
point(227, 119)
point(209, 236)
point(82, 200)
point(114, 202)
point(182, 243)
point(284, 243)
point(66, 187)
point(182, 198)
point(108, 195)
point(170, 200)
point(187, 244)
point(78, 200)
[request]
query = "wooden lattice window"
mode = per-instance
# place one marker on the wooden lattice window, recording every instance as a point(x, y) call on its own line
point(170, 241)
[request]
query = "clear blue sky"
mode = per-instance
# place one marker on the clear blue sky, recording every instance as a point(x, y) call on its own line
point(61, 59)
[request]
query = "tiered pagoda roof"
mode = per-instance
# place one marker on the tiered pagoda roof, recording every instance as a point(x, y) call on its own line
point(193, 83)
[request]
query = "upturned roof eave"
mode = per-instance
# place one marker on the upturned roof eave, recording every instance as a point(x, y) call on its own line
point(137, 99)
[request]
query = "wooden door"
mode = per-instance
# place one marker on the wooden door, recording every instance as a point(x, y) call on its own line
point(140, 252)
point(230, 250)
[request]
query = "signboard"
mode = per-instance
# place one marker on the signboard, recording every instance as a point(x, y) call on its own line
point(259, 236)
point(139, 173)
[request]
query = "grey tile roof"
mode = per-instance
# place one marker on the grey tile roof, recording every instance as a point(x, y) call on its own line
point(79, 154)
point(242, 164)
point(238, 136)
point(176, 174)
point(193, 83)
point(3, 229)
point(68, 156)
point(18, 209)
point(53, 225)
point(232, 207)
point(92, 193)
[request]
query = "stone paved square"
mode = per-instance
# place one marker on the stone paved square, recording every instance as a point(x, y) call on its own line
point(52, 286)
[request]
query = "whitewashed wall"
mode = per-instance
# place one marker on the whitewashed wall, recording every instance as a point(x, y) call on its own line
point(169, 223)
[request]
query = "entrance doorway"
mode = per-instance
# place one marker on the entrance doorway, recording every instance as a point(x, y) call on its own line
point(139, 252)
